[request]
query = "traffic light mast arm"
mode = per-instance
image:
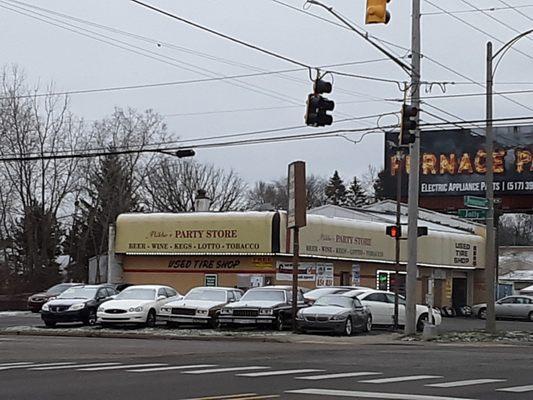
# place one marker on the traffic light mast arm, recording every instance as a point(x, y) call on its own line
point(365, 36)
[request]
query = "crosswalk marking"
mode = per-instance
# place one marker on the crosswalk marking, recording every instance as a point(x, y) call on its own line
point(371, 395)
point(121, 367)
point(71, 366)
point(335, 376)
point(35, 365)
point(517, 389)
point(401, 379)
point(468, 382)
point(281, 372)
point(171, 368)
point(229, 369)
point(16, 363)
point(226, 396)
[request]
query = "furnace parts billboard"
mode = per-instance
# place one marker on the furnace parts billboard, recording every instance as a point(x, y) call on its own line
point(453, 162)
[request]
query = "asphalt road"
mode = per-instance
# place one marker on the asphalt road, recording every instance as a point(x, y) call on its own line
point(94, 368)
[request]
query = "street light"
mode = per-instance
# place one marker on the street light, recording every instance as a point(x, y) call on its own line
point(490, 251)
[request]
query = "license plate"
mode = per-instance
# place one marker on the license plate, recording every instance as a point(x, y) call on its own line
point(198, 321)
point(244, 321)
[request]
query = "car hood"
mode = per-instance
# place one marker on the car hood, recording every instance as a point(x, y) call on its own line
point(66, 302)
point(125, 304)
point(479, 306)
point(324, 310)
point(202, 304)
point(255, 304)
point(42, 295)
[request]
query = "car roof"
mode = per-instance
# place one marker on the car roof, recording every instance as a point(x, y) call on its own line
point(278, 287)
point(363, 291)
point(97, 286)
point(215, 288)
point(148, 287)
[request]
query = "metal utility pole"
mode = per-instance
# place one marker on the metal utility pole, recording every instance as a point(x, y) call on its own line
point(399, 158)
point(414, 169)
point(490, 322)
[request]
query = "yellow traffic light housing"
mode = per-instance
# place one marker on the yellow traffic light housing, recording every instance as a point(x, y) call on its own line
point(376, 12)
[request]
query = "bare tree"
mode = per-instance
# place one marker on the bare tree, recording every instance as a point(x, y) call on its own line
point(171, 185)
point(367, 182)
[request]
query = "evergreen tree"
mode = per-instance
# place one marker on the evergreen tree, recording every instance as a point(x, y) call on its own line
point(356, 196)
point(335, 190)
point(109, 194)
point(381, 183)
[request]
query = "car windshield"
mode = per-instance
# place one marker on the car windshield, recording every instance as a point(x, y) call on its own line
point(266, 295)
point(339, 301)
point(206, 294)
point(56, 289)
point(78, 293)
point(136, 294)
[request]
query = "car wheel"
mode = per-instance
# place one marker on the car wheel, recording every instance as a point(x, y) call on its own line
point(348, 327)
point(49, 324)
point(368, 325)
point(150, 319)
point(530, 317)
point(279, 324)
point(91, 318)
point(421, 322)
point(482, 314)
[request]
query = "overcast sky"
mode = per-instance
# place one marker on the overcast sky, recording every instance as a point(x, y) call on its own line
point(50, 53)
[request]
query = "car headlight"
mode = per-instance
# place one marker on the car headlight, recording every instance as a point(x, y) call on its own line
point(101, 309)
point(75, 307)
point(46, 307)
point(266, 311)
point(338, 317)
point(300, 314)
point(201, 312)
point(136, 309)
point(226, 311)
point(166, 310)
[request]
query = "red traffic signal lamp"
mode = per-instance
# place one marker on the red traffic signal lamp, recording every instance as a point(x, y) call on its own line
point(394, 231)
point(408, 125)
point(376, 12)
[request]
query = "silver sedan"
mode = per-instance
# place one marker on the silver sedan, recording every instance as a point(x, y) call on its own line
point(519, 307)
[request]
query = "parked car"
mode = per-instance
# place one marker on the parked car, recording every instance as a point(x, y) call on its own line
point(518, 306)
point(381, 305)
point(36, 301)
point(335, 312)
point(266, 306)
point(136, 305)
point(76, 304)
point(311, 296)
point(200, 305)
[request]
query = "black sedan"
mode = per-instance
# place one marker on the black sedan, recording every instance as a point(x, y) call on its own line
point(77, 304)
point(336, 313)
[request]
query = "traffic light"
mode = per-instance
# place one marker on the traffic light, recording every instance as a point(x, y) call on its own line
point(408, 125)
point(318, 106)
point(394, 231)
point(376, 12)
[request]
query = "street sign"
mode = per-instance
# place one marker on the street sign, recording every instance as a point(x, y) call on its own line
point(476, 202)
point(473, 214)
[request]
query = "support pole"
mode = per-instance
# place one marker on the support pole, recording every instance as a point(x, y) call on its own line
point(414, 169)
point(490, 323)
point(399, 158)
point(295, 265)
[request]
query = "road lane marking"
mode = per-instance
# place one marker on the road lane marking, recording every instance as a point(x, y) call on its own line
point(71, 366)
point(229, 369)
point(172, 367)
point(517, 389)
point(227, 396)
point(282, 372)
point(121, 367)
point(16, 363)
point(334, 376)
point(36, 365)
point(401, 379)
point(465, 383)
point(267, 396)
point(371, 395)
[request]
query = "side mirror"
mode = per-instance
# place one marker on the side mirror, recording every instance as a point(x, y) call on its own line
point(159, 298)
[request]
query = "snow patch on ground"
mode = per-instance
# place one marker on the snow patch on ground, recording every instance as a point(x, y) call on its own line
point(15, 313)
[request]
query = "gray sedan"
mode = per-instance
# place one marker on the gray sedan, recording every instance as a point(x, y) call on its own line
point(338, 313)
point(519, 307)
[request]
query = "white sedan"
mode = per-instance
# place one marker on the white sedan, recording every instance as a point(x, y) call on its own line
point(381, 304)
point(136, 304)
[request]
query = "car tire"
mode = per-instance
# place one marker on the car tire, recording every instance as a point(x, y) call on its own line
point(482, 313)
point(150, 319)
point(49, 324)
point(279, 323)
point(368, 324)
point(91, 318)
point(348, 327)
point(421, 322)
point(530, 317)
point(215, 322)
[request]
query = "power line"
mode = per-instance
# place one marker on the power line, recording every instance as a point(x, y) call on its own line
point(515, 9)
point(491, 9)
